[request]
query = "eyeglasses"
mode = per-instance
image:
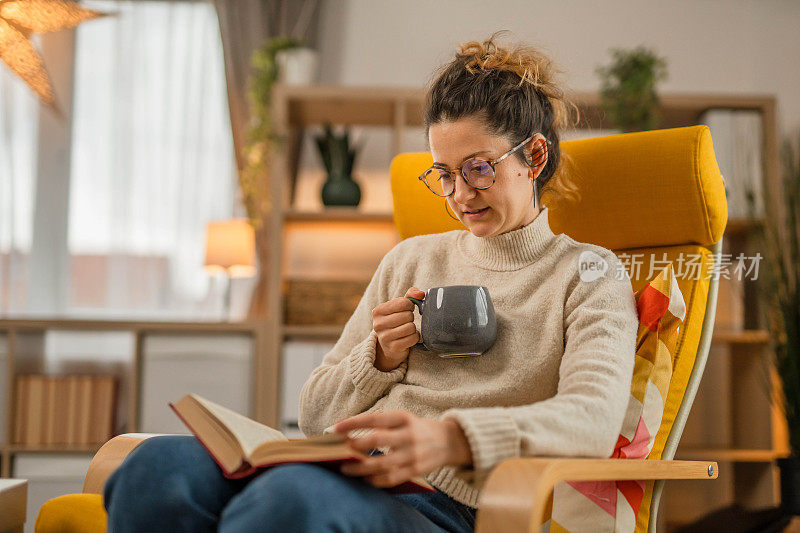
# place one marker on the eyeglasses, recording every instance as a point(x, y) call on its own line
point(478, 173)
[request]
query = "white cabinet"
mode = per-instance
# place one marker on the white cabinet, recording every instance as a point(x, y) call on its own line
point(217, 366)
point(300, 358)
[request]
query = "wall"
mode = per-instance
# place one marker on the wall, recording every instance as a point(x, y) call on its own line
point(717, 46)
point(720, 46)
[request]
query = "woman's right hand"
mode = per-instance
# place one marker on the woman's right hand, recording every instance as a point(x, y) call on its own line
point(393, 321)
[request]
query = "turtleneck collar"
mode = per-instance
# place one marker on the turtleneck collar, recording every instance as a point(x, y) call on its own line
point(509, 251)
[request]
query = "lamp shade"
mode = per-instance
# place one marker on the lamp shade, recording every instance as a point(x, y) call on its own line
point(230, 245)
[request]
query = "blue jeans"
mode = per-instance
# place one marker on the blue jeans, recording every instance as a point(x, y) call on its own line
point(172, 484)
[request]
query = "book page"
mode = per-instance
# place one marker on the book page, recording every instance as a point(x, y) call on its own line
point(325, 448)
point(248, 432)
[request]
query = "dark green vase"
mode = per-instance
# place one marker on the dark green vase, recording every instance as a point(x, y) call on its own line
point(340, 190)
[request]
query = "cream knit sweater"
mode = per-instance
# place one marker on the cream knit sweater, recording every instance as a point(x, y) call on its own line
point(556, 382)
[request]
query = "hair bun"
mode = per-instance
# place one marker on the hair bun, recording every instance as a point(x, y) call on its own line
point(528, 63)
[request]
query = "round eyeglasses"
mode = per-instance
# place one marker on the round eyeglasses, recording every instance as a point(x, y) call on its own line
point(478, 173)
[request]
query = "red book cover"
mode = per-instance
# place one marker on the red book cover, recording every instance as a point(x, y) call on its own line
point(247, 469)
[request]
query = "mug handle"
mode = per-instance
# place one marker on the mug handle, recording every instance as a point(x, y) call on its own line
point(420, 305)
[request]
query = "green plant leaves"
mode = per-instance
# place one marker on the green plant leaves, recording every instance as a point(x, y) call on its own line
point(628, 92)
point(336, 152)
point(779, 240)
point(261, 137)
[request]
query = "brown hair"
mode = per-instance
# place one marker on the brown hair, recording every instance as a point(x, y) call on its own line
point(514, 92)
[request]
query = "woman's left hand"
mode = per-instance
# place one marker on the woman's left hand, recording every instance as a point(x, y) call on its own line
point(418, 446)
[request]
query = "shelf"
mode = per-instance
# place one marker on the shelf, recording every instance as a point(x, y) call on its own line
point(728, 454)
point(740, 226)
point(312, 332)
point(27, 337)
point(363, 106)
point(337, 214)
point(333, 332)
point(746, 336)
point(736, 226)
point(51, 448)
point(388, 106)
point(125, 325)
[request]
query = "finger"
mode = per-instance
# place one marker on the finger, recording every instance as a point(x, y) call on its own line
point(393, 320)
point(395, 305)
point(398, 333)
point(415, 293)
point(403, 343)
point(372, 420)
point(395, 439)
point(376, 465)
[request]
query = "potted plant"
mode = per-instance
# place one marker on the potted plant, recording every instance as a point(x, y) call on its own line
point(338, 156)
point(779, 240)
point(628, 92)
point(260, 143)
point(297, 65)
point(261, 137)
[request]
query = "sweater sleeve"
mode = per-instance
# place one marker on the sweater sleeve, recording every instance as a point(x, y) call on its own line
point(347, 382)
point(585, 415)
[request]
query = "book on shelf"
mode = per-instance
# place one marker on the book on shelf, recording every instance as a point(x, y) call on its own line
point(737, 138)
point(64, 410)
point(241, 446)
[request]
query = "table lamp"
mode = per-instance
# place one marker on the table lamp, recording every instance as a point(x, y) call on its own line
point(230, 246)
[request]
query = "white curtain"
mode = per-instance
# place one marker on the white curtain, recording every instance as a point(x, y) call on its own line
point(18, 134)
point(152, 160)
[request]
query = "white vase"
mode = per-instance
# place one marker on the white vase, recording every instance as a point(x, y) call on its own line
point(297, 66)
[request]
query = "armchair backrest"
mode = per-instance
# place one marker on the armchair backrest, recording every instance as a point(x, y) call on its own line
point(652, 197)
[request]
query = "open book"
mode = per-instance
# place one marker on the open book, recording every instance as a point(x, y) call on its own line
point(241, 446)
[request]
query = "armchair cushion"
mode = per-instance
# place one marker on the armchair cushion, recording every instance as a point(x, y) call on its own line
point(614, 505)
point(637, 190)
point(72, 513)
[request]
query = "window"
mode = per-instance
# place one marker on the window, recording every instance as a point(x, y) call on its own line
point(151, 161)
point(19, 113)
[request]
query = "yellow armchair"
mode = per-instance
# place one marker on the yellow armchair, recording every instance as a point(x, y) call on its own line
point(651, 195)
point(657, 193)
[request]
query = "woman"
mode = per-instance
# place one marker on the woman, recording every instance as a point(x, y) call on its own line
point(556, 381)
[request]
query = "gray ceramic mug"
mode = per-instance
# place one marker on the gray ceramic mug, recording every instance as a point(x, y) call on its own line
point(457, 320)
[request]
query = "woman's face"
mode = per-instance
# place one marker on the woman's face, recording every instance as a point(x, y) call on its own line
point(509, 200)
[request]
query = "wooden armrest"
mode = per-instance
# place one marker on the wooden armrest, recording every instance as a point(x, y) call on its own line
point(108, 458)
point(517, 490)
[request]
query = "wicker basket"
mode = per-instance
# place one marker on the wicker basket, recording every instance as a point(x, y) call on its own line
point(318, 302)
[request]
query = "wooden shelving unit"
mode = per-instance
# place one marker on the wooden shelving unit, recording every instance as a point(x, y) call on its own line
point(324, 333)
point(729, 455)
point(55, 448)
point(337, 215)
point(24, 353)
point(755, 336)
point(740, 226)
point(734, 420)
point(747, 472)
